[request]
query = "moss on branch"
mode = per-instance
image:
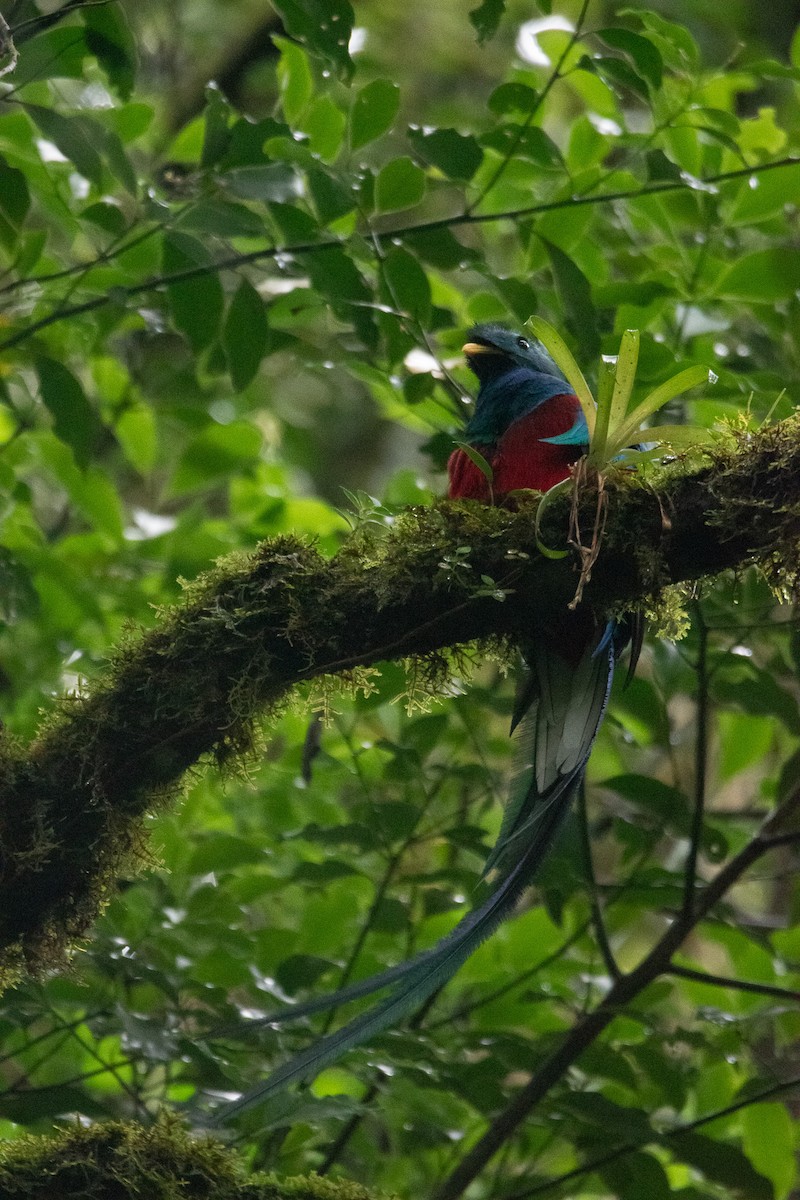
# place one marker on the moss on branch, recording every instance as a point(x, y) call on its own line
point(160, 1162)
point(72, 802)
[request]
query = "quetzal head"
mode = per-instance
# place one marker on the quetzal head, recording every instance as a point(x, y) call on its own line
point(493, 350)
point(516, 375)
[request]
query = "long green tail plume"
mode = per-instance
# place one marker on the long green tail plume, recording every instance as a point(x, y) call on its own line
point(563, 707)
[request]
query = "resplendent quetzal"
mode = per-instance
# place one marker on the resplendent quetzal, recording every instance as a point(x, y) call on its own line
point(530, 428)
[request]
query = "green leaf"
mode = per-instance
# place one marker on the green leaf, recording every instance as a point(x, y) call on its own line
point(93, 493)
point(56, 54)
point(30, 251)
point(644, 54)
point(245, 335)
point(517, 294)
point(763, 196)
point(514, 98)
point(133, 120)
point(270, 182)
point(763, 276)
point(407, 284)
point(390, 916)
point(335, 274)
point(373, 112)
point(636, 1175)
point(667, 805)
point(744, 739)
point(197, 303)
point(617, 72)
point(75, 422)
point(118, 162)
point(321, 873)
point(625, 376)
point(744, 684)
point(76, 137)
point(546, 502)
point(721, 1163)
point(223, 217)
point(769, 1137)
point(516, 141)
point(332, 199)
point(679, 437)
point(301, 971)
point(109, 38)
point(575, 293)
point(440, 248)
point(138, 436)
point(457, 155)
point(325, 125)
point(295, 79)
point(106, 216)
point(325, 26)
point(675, 41)
point(219, 451)
point(400, 184)
point(15, 197)
point(216, 136)
point(218, 851)
point(486, 18)
point(294, 225)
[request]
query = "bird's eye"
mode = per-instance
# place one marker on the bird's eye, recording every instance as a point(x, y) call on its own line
point(523, 343)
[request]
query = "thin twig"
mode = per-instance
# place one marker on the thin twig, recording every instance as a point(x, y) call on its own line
point(740, 985)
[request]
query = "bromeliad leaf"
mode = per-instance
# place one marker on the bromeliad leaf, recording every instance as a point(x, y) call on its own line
point(682, 382)
point(560, 352)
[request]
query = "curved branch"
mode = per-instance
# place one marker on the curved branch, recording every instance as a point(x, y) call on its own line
point(72, 802)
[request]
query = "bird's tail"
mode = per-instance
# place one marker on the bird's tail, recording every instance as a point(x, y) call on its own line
point(564, 706)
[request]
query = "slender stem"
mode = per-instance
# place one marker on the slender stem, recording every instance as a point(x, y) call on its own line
point(740, 985)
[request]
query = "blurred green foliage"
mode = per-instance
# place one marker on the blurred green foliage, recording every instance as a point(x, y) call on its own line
point(223, 304)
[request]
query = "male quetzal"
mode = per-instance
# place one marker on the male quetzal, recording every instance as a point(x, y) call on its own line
point(530, 428)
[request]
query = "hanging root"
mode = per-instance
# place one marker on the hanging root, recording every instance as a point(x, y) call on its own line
point(582, 476)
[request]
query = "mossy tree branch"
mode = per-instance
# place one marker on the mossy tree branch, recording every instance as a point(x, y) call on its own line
point(71, 803)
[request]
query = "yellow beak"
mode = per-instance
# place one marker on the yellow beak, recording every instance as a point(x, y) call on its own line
point(477, 348)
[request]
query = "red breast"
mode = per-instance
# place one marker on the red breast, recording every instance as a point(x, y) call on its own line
point(520, 459)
